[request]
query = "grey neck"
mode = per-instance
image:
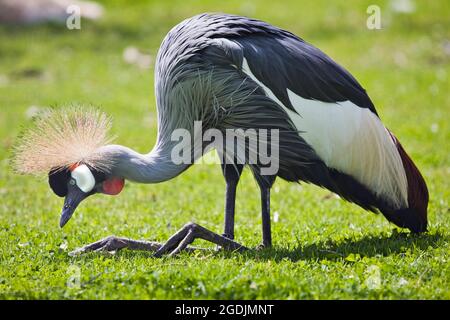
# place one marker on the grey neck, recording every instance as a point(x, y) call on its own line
point(153, 167)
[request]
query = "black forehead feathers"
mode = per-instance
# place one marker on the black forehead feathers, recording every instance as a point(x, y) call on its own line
point(58, 179)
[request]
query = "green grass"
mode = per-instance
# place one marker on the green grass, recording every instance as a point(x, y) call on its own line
point(324, 248)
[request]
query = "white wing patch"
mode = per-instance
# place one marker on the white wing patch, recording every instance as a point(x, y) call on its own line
point(349, 139)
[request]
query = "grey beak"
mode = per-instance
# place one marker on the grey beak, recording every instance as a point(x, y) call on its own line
point(71, 202)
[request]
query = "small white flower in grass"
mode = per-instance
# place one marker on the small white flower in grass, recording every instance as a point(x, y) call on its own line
point(373, 279)
point(402, 282)
point(63, 246)
point(353, 227)
point(434, 127)
point(253, 286)
point(276, 216)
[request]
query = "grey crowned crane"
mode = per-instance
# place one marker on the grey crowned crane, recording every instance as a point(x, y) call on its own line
point(233, 72)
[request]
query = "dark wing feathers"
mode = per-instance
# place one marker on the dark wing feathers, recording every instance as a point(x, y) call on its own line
point(283, 63)
point(280, 59)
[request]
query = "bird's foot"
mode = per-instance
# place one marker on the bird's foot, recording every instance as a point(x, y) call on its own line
point(114, 244)
point(191, 231)
point(177, 243)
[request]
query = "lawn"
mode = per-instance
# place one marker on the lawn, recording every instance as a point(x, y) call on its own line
point(324, 248)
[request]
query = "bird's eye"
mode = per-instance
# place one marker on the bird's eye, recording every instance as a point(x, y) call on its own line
point(72, 182)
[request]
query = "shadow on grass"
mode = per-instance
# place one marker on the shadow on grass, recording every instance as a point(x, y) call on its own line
point(368, 246)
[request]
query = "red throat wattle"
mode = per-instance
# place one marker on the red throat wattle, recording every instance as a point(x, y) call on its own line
point(113, 186)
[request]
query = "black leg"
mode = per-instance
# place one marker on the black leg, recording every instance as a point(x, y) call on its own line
point(265, 184)
point(265, 212)
point(232, 173)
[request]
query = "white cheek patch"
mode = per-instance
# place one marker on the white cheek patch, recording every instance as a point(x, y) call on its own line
point(84, 178)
